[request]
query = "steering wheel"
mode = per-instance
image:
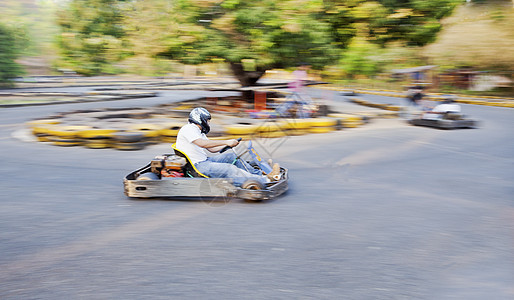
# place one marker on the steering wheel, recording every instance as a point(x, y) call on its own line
point(228, 147)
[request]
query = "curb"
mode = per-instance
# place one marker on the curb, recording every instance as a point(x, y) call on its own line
point(475, 100)
point(85, 97)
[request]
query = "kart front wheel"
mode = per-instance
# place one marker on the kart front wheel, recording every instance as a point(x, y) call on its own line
point(252, 184)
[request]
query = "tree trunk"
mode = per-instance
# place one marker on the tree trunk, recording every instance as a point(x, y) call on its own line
point(246, 78)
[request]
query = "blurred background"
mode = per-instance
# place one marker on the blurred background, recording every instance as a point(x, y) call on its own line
point(383, 211)
point(460, 46)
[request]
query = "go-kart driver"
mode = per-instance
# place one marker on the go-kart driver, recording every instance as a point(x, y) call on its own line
point(447, 106)
point(192, 140)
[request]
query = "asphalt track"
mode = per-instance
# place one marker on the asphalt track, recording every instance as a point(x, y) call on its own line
point(384, 211)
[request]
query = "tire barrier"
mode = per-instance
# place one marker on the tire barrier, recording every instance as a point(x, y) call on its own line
point(242, 129)
point(130, 146)
point(127, 137)
point(323, 125)
point(350, 120)
point(96, 133)
point(389, 107)
point(134, 129)
point(100, 143)
point(466, 99)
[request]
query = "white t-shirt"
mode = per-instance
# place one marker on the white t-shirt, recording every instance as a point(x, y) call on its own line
point(441, 108)
point(447, 107)
point(185, 138)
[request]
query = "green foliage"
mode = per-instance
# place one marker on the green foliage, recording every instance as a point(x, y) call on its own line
point(361, 58)
point(274, 34)
point(91, 31)
point(10, 49)
point(416, 21)
point(35, 20)
point(96, 34)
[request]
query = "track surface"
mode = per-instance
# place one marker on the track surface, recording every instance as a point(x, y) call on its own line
point(384, 211)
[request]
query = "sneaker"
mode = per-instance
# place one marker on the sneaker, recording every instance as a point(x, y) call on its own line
point(275, 173)
point(270, 163)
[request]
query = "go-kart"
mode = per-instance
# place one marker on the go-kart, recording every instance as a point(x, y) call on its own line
point(174, 176)
point(446, 120)
point(446, 115)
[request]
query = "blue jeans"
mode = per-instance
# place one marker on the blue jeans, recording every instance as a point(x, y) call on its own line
point(221, 166)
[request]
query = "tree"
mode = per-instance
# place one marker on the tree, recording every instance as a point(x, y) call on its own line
point(360, 58)
point(90, 29)
point(252, 36)
point(10, 49)
point(416, 22)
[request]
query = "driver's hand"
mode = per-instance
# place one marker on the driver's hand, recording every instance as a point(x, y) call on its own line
point(232, 143)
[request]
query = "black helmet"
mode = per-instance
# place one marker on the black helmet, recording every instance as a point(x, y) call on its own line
point(201, 117)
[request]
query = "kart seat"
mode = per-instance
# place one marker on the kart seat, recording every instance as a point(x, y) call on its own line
point(189, 169)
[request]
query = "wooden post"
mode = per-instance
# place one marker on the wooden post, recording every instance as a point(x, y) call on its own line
point(260, 100)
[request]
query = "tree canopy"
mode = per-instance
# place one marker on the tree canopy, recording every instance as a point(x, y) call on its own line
point(252, 36)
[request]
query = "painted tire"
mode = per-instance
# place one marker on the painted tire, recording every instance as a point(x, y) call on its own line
point(97, 133)
point(42, 129)
point(322, 122)
point(321, 129)
point(241, 129)
point(297, 131)
point(67, 132)
point(346, 117)
point(268, 127)
point(128, 137)
point(168, 132)
point(130, 146)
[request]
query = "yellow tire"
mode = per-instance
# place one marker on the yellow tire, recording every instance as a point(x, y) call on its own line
point(346, 117)
point(321, 129)
point(67, 144)
point(168, 132)
point(322, 122)
point(268, 127)
point(352, 124)
point(42, 129)
point(97, 133)
point(394, 107)
point(67, 132)
point(43, 138)
point(294, 124)
point(168, 139)
point(241, 129)
point(98, 144)
point(297, 131)
point(286, 124)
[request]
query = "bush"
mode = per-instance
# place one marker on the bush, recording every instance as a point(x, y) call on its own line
point(9, 51)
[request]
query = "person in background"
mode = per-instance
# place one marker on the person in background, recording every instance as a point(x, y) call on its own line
point(445, 107)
